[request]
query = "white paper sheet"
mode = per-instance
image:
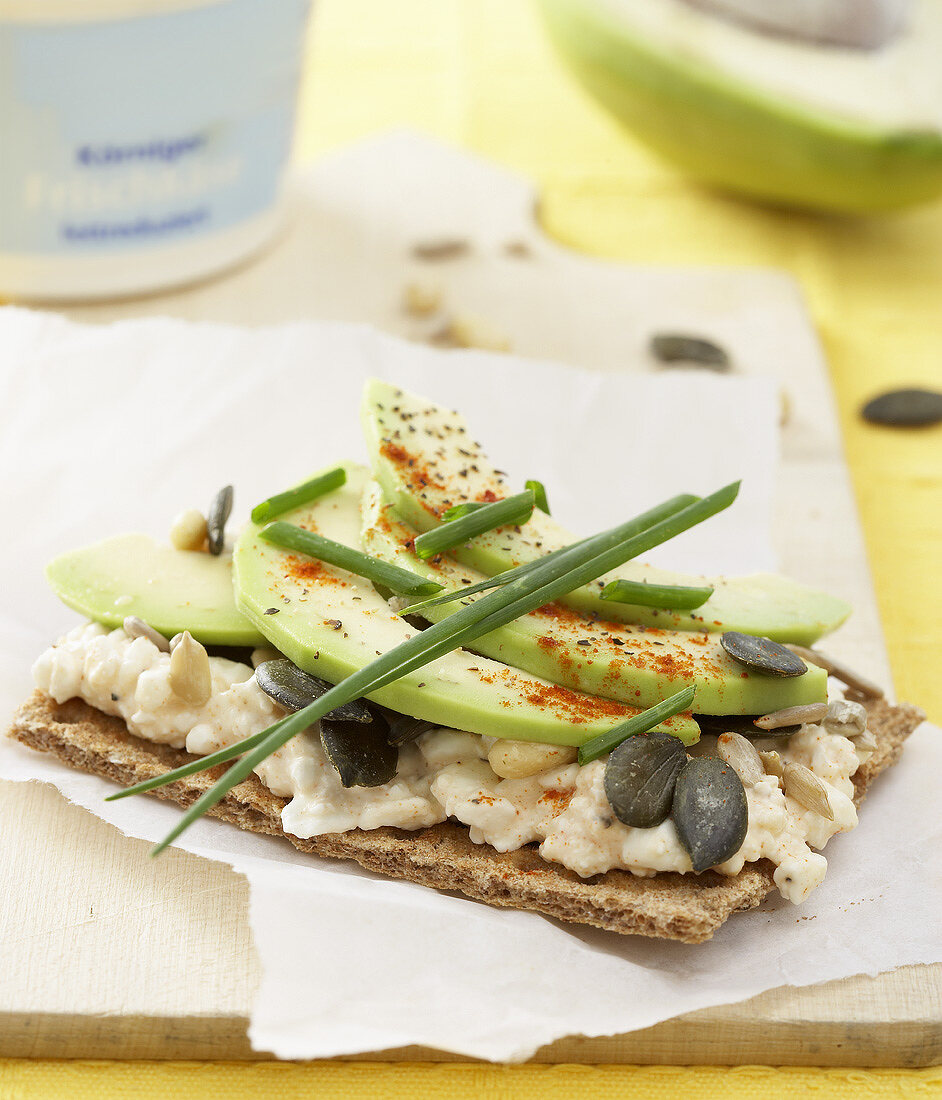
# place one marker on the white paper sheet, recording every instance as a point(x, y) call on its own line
point(110, 429)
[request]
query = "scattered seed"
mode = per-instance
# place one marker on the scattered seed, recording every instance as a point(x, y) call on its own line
point(806, 789)
point(792, 716)
point(219, 512)
point(175, 641)
point(741, 755)
point(188, 531)
point(519, 250)
point(403, 728)
point(867, 689)
point(264, 653)
point(911, 408)
point(772, 763)
point(710, 811)
point(784, 407)
point(846, 718)
point(671, 348)
point(191, 677)
point(360, 753)
point(293, 689)
point(271, 610)
point(762, 654)
point(137, 628)
point(443, 248)
point(640, 775)
point(421, 299)
point(463, 331)
point(519, 759)
point(745, 724)
point(866, 741)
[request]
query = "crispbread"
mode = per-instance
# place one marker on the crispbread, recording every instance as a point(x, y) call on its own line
point(668, 906)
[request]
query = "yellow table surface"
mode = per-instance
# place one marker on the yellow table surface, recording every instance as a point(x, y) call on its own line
point(478, 73)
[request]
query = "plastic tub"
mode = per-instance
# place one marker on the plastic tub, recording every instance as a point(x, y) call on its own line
point(142, 143)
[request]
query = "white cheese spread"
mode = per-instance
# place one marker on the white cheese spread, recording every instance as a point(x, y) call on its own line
point(446, 774)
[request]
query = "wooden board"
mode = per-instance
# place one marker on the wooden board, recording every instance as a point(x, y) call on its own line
point(104, 953)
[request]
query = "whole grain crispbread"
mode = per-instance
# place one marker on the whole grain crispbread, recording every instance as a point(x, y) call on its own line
point(668, 906)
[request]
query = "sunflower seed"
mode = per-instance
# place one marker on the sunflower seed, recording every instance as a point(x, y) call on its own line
point(175, 641)
point(421, 299)
point(640, 777)
point(867, 689)
point(264, 653)
point(294, 689)
point(520, 759)
point(191, 677)
point(137, 628)
point(219, 512)
point(742, 756)
point(710, 811)
point(909, 408)
point(670, 347)
point(806, 789)
point(442, 248)
point(866, 742)
point(806, 714)
point(360, 753)
point(772, 763)
point(188, 530)
point(762, 654)
point(847, 719)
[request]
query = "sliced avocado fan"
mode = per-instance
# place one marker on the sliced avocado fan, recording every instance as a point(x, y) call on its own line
point(635, 664)
point(331, 622)
point(426, 460)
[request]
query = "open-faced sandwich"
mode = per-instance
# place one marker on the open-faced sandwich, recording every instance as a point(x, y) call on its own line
point(412, 667)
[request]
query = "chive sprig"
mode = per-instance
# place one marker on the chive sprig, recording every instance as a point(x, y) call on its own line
point(300, 494)
point(511, 511)
point(640, 723)
point(671, 596)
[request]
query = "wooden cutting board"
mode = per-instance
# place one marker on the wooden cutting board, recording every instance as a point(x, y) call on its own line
point(104, 953)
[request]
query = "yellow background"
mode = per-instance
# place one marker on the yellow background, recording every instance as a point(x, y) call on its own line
point(479, 74)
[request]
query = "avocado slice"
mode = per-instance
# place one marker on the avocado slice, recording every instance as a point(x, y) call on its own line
point(425, 460)
point(783, 120)
point(172, 590)
point(636, 664)
point(331, 623)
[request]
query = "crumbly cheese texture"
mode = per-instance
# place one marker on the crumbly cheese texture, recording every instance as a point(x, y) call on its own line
point(446, 773)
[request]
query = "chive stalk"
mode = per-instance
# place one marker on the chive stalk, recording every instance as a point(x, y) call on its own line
point(289, 537)
point(670, 596)
point(538, 489)
point(640, 723)
point(300, 494)
point(550, 579)
point(500, 513)
point(456, 511)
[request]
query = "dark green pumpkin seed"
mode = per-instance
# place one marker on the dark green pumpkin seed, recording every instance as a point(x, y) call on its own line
point(294, 689)
point(219, 512)
point(716, 724)
point(640, 777)
point(669, 347)
point(762, 654)
point(403, 728)
point(913, 408)
point(710, 811)
point(360, 753)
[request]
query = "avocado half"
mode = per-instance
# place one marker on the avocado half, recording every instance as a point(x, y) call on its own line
point(788, 122)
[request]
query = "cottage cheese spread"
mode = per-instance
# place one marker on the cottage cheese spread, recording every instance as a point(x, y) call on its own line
point(445, 773)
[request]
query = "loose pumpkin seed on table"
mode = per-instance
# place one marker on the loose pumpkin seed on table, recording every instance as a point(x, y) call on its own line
point(905, 408)
point(669, 348)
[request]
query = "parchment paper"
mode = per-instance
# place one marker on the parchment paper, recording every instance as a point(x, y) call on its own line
point(104, 430)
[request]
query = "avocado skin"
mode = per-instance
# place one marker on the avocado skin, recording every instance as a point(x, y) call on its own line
point(171, 590)
point(731, 135)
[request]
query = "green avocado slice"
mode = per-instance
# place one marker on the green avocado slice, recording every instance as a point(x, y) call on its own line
point(788, 122)
point(331, 623)
point(171, 590)
point(635, 664)
point(426, 460)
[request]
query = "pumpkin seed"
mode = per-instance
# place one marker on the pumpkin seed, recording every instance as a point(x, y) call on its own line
point(907, 408)
point(741, 755)
point(442, 248)
point(806, 714)
point(739, 723)
point(219, 512)
point(762, 654)
point(670, 347)
point(137, 628)
point(845, 718)
point(806, 789)
point(710, 811)
point(294, 689)
point(191, 677)
point(867, 689)
point(402, 727)
point(520, 759)
point(360, 752)
point(640, 777)
point(772, 763)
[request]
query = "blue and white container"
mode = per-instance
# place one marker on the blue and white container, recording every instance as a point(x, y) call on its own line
point(143, 143)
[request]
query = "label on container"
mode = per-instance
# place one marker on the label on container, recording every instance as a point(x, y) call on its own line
point(116, 135)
